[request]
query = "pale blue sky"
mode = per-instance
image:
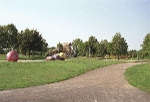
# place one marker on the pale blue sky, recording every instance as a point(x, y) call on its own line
point(65, 20)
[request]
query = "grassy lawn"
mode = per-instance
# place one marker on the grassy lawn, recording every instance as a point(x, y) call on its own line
point(2, 56)
point(25, 74)
point(21, 57)
point(139, 76)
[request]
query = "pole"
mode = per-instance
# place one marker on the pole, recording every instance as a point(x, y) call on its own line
point(89, 52)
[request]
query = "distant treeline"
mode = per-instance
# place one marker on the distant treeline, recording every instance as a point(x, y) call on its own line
point(93, 48)
point(26, 42)
point(30, 42)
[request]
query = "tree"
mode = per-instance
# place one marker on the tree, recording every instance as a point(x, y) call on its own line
point(146, 45)
point(51, 51)
point(31, 41)
point(44, 46)
point(12, 36)
point(92, 45)
point(25, 41)
point(109, 48)
point(133, 53)
point(102, 48)
point(75, 45)
point(140, 54)
point(59, 47)
point(119, 44)
point(83, 48)
point(8, 35)
point(2, 39)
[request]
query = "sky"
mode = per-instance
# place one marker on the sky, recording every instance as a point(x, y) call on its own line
point(65, 20)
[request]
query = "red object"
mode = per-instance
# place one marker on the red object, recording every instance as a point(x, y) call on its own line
point(12, 56)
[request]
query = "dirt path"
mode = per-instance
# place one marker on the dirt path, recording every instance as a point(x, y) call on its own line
point(101, 85)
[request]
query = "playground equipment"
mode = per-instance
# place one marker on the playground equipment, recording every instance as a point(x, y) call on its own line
point(12, 56)
point(59, 56)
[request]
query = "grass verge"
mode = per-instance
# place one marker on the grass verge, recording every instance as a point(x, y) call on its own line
point(20, 75)
point(139, 76)
point(2, 56)
point(21, 57)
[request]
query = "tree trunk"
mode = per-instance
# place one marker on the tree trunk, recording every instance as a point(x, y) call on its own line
point(29, 53)
point(118, 57)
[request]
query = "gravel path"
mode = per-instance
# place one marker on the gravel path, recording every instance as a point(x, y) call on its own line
point(101, 85)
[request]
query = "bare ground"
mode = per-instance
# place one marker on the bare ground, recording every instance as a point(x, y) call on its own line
point(101, 85)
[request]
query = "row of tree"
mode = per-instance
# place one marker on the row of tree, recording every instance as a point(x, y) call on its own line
point(93, 48)
point(118, 47)
point(27, 41)
point(30, 42)
point(144, 52)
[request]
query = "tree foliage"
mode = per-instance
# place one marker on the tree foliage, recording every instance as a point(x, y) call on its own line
point(119, 44)
point(92, 45)
point(146, 45)
point(133, 53)
point(76, 44)
point(51, 51)
point(26, 41)
point(81, 49)
point(8, 37)
point(102, 48)
point(109, 49)
point(31, 41)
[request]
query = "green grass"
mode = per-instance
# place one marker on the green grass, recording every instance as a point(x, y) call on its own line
point(31, 58)
point(2, 56)
point(139, 76)
point(21, 57)
point(25, 74)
